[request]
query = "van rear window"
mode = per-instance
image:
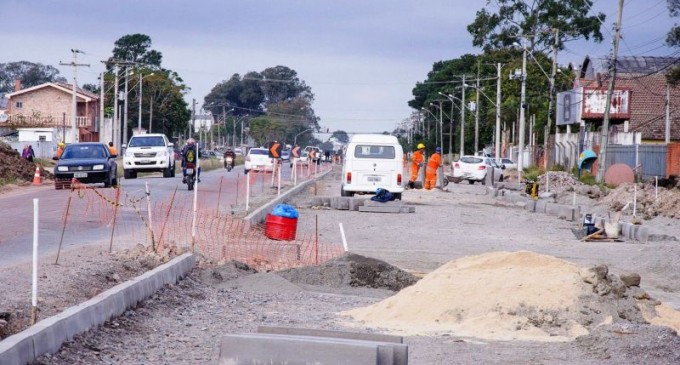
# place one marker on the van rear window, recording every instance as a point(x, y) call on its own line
point(369, 151)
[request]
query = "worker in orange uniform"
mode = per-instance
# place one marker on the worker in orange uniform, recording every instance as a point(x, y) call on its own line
point(112, 149)
point(60, 149)
point(416, 162)
point(431, 170)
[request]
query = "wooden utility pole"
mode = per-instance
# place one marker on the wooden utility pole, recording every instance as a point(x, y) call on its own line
point(602, 159)
point(477, 112)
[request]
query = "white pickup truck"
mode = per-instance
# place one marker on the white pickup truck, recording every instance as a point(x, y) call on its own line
point(148, 153)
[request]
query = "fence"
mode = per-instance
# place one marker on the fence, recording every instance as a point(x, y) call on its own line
point(651, 159)
point(127, 218)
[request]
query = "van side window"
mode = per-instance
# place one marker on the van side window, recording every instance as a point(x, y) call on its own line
point(369, 151)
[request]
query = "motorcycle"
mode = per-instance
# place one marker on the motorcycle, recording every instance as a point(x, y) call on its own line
point(228, 163)
point(191, 176)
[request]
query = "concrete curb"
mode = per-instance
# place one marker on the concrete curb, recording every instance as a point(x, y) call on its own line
point(259, 214)
point(48, 335)
point(571, 213)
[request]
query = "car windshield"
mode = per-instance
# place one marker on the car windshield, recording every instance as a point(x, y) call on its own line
point(471, 159)
point(258, 151)
point(373, 151)
point(84, 151)
point(151, 141)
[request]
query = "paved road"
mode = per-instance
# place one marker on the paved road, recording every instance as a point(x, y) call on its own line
point(17, 223)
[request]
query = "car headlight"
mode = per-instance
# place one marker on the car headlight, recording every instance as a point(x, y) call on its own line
point(62, 168)
point(163, 153)
point(129, 154)
point(98, 167)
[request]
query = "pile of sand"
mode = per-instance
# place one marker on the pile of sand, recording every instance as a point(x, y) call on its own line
point(509, 296)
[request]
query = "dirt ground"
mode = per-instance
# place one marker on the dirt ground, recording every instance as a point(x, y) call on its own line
point(14, 169)
point(181, 324)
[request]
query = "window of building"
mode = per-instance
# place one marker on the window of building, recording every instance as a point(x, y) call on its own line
point(20, 104)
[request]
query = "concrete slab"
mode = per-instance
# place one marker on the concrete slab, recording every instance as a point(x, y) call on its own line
point(388, 209)
point(529, 205)
point(642, 233)
point(379, 337)
point(250, 349)
point(540, 206)
point(355, 203)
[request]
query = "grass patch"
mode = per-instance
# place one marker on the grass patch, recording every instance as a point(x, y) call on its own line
point(587, 178)
point(532, 173)
point(7, 181)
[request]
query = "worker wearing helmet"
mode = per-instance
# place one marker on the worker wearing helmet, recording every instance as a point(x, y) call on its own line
point(190, 154)
point(431, 170)
point(60, 149)
point(416, 163)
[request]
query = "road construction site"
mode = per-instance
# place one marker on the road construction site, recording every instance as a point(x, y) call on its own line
point(468, 275)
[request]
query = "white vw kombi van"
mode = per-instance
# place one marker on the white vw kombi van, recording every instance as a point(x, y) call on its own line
point(373, 161)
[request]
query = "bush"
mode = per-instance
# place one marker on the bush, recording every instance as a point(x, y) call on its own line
point(587, 178)
point(532, 173)
point(557, 168)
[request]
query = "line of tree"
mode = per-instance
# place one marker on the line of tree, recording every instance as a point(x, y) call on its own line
point(275, 101)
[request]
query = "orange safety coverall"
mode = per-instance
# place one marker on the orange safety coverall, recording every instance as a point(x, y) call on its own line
point(416, 160)
point(431, 171)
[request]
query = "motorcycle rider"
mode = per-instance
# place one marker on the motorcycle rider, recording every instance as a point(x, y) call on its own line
point(229, 153)
point(189, 154)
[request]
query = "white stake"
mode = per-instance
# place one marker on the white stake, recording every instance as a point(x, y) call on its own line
point(634, 200)
point(247, 190)
point(547, 181)
point(193, 219)
point(294, 173)
point(656, 187)
point(344, 240)
point(34, 291)
point(148, 209)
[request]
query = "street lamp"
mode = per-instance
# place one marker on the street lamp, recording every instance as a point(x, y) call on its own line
point(296, 136)
point(141, 82)
point(496, 104)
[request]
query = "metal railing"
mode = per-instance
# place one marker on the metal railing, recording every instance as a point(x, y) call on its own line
point(37, 121)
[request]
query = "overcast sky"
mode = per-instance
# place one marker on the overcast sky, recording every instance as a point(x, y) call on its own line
point(361, 58)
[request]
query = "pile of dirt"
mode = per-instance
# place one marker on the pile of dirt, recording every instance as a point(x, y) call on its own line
point(650, 202)
point(15, 168)
point(511, 296)
point(224, 272)
point(561, 182)
point(352, 270)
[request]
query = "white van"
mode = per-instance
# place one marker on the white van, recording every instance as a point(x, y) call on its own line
point(373, 161)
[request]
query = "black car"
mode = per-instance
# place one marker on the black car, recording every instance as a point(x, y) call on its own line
point(87, 162)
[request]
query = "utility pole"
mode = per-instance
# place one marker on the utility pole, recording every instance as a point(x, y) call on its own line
point(667, 138)
point(101, 107)
point(74, 103)
point(114, 124)
point(462, 121)
point(477, 112)
point(551, 99)
point(125, 111)
point(193, 117)
point(522, 111)
point(602, 159)
point(498, 110)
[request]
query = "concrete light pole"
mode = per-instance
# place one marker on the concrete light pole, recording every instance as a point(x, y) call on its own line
point(522, 111)
point(141, 82)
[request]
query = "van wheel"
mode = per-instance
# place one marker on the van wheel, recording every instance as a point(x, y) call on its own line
point(345, 193)
point(130, 174)
point(471, 182)
point(245, 172)
point(397, 196)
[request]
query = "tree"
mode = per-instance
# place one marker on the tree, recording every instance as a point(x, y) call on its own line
point(535, 20)
point(244, 95)
point(281, 83)
point(341, 136)
point(673, 40)
point(136, 48)
point(265, 129)
point(29, 73)
point(95, 89)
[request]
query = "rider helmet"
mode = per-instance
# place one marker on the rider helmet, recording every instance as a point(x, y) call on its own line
point(191, 141)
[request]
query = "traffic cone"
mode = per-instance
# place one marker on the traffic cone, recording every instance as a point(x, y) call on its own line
point(36, 177)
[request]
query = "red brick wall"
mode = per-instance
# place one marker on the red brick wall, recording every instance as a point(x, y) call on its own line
point(673, 159)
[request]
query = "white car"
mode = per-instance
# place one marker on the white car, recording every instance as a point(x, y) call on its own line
point(258, 159)
point(475, 168)
point(303, 159)
point(509, 164)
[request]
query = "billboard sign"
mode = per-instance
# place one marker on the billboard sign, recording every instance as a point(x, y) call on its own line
point(568, 107)
point(594, 100)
